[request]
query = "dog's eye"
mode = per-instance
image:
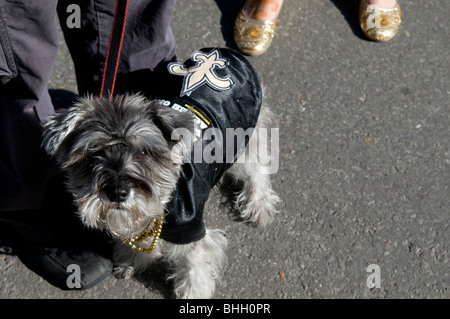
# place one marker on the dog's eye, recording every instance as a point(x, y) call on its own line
point(141, 155)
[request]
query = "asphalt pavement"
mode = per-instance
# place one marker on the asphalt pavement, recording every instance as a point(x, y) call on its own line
point(364, 156)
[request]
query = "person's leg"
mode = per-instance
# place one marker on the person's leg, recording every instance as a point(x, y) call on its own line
point(29, 48)
point(148, 42)
point(263, 9)
point(36, 215)
point(383, 3)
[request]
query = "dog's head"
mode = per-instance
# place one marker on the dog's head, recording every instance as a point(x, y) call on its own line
point(121, 157)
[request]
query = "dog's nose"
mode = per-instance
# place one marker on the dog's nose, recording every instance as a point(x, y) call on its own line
point(116, 194)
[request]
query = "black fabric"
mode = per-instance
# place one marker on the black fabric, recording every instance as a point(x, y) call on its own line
point(147, 43)
point(236, 107)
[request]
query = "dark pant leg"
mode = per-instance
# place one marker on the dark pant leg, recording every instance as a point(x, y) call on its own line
point(148, 41)
point(28, 48)
point(28, 40)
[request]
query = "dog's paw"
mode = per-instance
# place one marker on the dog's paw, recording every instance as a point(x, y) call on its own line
point(194, 288)
point(258, 212)
point(123, 272)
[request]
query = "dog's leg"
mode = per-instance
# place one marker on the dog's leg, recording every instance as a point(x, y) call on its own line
point(198, 266)
point(129, 262)
point(257, 200)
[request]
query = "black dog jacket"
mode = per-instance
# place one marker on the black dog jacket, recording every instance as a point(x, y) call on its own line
point(223, 91)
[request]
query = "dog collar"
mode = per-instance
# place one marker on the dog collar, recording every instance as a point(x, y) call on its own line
point(154, 231)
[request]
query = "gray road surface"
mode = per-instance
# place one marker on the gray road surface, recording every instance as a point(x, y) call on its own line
point(364, 158)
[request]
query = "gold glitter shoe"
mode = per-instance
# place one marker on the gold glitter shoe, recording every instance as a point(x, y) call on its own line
point(379, 24)
point(253, 37)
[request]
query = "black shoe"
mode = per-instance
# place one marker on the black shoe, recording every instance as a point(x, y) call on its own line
point(66, 269)
point(48, 249)
point(52, 242)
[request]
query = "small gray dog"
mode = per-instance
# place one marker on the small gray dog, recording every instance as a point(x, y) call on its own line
point(129, 167)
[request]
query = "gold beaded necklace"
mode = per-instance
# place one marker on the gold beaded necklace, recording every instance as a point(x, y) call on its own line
point(154, 231)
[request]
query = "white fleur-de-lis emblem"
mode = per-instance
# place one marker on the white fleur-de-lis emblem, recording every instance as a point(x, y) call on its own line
point(203, 72)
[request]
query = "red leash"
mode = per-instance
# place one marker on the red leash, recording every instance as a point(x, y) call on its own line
point(114, 48)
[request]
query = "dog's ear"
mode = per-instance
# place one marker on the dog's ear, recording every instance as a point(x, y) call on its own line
point(60, 125)
point(173, 123)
